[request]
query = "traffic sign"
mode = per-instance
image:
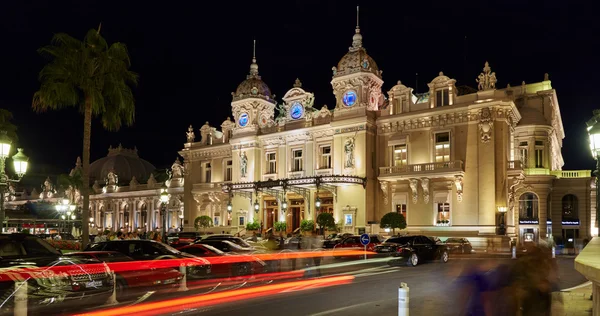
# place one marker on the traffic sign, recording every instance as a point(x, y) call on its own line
point(364, 239)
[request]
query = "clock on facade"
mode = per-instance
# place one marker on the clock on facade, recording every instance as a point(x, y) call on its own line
point(296, 110)
point(243, 121)
point(349, 98)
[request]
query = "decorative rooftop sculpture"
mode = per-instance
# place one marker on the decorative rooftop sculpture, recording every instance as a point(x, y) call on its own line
point(487, 79)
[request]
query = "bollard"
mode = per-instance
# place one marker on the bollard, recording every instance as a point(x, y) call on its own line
point(21, 298)
point(553, 252)
point(514, 252)
point(112, 300)
point(183, 284)
point(403, 299)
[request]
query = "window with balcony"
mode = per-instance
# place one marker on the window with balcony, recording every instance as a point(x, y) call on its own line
point(528, 208)
point(569, 208)
point(271, 163)
point(228, 176)
point(442, 147)
point(207, 172)
point(442, 97)
point(325, 157)
point(399, 155)
point(297, 160)
point(443, 213)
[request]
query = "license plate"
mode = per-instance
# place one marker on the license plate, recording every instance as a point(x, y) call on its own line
point(384, 249)
point(169, 281)
point(93, 284)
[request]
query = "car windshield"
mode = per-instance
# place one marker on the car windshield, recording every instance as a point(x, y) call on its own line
point(213, 249)
point(400, 240)
point(452, 240)
point(16, 246)
point(165, 248)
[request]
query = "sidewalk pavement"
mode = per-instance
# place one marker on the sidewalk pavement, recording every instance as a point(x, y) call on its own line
point(574, 302)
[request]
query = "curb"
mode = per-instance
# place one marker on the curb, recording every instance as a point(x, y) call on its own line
point(584, 284)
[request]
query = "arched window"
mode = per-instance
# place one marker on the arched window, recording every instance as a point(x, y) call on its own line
point(144, 214)
point(528, 206)
point(126, 214)
point(569, 207)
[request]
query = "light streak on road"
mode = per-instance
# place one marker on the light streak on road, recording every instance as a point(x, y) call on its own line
point(196, 301)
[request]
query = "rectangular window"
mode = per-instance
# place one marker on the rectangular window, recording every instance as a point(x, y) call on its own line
point(539, 143)
point(397, 106)
point(348, 220)
point(400, 155)
point(442, 98)
point(297, 163)
point(401, 208)
point(539, 158)
point(207, 172)
point(228, 170)
point(442, 147)
point(242, 221)
point(443, 215)
point(216, 221)
point(523, 153)
point(325, 162)
point(271, 163)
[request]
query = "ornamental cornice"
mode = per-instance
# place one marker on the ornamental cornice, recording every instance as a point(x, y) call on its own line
point(445, 119)
point(253, 144)
point(208, 152)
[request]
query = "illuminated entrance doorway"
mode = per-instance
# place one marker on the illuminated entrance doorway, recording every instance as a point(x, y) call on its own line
point(295, 214)
point(271, 212)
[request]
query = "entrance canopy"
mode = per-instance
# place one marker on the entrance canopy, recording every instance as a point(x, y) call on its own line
point(302, 186)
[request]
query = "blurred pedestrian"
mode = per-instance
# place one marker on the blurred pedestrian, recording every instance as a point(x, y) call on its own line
point(98, 237)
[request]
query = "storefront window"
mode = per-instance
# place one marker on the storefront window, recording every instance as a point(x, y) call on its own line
point(569, 207)
point(528, 206)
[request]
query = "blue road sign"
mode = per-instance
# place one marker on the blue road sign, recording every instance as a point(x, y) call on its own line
point(364, 239)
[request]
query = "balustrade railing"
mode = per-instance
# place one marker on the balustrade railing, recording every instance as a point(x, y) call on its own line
point(423, 168)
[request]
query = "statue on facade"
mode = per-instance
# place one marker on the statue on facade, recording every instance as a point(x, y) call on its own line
point(487, 79)
point(47, 189)
point(177, 169)
point(112, 178)
point(349, 152)
point(334, 70)
point(190, 134)
point(310, 101)
point(243, 164)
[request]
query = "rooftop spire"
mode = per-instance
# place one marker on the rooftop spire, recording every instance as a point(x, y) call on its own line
point(357, 38)
point(254, 65)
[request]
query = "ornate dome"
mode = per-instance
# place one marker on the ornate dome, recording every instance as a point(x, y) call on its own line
point(356, 60)
point(253, 86)
point(125, 163)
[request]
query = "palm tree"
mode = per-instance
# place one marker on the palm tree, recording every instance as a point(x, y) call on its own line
point(7, 126)
point(93, 77)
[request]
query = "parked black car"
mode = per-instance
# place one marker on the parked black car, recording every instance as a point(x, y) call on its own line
point(413, 249)
point(334, 239)
point(152, 250)
point(458, 245)
point(59, 284)
point(226, 245)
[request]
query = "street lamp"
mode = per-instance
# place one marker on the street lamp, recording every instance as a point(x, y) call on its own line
point(164, 199)
point(318, 203)
point(229, 207)
point(20, 162)
point(502, 210)
point(593, 128)
point(181, 222)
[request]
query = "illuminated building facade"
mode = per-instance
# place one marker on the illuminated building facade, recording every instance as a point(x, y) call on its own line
point(448, 159)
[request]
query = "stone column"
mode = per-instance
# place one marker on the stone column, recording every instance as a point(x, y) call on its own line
point(135, 216)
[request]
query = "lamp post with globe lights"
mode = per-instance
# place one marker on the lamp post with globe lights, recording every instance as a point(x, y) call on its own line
point(593, 129)
point(20, 163)
point(164, 199)
point(65, 208)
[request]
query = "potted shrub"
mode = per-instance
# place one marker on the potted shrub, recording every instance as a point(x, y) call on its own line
point(253, 227)
point(280, 226)
point(307, 225)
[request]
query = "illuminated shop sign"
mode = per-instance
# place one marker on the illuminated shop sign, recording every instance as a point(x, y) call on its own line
point(529, 221)
point(572, 222)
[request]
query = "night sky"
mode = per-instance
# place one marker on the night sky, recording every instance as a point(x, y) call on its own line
point(191, 55)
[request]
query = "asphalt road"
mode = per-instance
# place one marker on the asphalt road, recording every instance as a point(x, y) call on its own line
point(434, 290)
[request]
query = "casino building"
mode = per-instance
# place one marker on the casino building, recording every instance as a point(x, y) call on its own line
point(455, 161)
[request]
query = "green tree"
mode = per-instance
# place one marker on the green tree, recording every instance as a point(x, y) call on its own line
point(203, 222)
point(325, 220)
point(7, 126)
point(93, 77)
point(393, 220)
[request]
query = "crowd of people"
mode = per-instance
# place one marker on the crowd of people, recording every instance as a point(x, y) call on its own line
point(108, 235)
